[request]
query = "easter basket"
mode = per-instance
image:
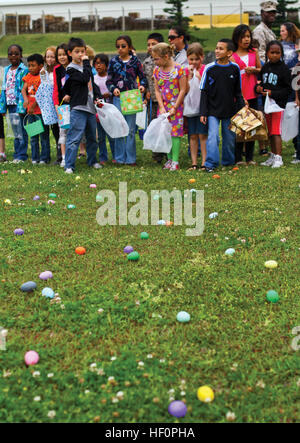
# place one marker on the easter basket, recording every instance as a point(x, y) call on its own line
point(34, 128)
point(131, 102)
point(64, 113)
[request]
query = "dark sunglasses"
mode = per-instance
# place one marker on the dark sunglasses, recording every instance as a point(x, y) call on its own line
point(173, 37)
point(121, 46)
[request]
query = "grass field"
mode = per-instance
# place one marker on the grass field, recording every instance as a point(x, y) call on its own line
point(102, 41)
point(236, 341)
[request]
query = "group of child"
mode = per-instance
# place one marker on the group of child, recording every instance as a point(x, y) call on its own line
point(236, 79)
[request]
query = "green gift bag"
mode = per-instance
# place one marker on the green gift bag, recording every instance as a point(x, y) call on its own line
point(131, 102)
point(34, 128)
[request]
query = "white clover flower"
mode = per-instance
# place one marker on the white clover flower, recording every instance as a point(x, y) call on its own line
point(100, 371)
point(62, 306)
point(100, 311)
point(50, 375)
point(86, 391)
point(6, 373)
point(230, 416)
point(111, 378)
point(137, 303)
point(113, 358)
point(4, 332)
point(149, 356)
point(141, 363)
point(171, 399)
point(260, 384)
point(51, 414)
point(182, 393)
point(283, 240)
point(37, 398)
point(298, 383)
point(120, 395)
point(93, 365)
point(171, 391)
point(36, 374)
point(115, 400)
point(162, 360)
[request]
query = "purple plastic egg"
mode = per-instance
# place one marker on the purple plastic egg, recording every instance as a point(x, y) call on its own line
point(36, 197)
point(51, 202)
point(46, 275)
point(18, 231)
point(31, 358)
point(178, 409)
point(128, 249)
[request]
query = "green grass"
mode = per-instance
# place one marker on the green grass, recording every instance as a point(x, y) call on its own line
point(235, 339)
point(102, 41)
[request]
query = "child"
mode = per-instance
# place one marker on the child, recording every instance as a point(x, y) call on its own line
point(50, 63)
point(221, 98)
point(152, 103)
point(196, 130)
point(170, 89)
point(59, 79)
point(296, 87)
point(100, 64)
point(32, 82)
point(12, 101)
point(274, 80)
point(248, 61)
point(123, 71)
point(82, 93)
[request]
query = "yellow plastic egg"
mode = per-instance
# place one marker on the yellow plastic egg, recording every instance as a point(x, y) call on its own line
point(7, 202)
point(192, 180)
point(271, 264)
point(77, 178)
point(205, 394)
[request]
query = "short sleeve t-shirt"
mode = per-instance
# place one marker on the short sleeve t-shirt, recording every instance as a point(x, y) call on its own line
point(10, 87)
point(33, 83)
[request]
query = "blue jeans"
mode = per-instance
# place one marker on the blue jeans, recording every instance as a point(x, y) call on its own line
point(81, 122)
point(45, 142)
point(21, 137)
point(103, 157)
point(213, 141)
point(125, 148)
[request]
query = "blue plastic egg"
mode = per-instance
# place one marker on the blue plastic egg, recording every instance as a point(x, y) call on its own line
point(28, 286)
point(183, 317)
point(48, 293)
point(230, 251)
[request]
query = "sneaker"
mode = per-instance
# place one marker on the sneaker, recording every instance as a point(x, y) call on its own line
point(63, 163)
point(240, 163)
point(34, 162)
point(263, 152)
point(16, 161)
point(168, 164)
point(270, 160)
point(42, 162)
point(209, 170)
point(174, 166)
point(277, 162)
point(69, 171)
point(295, 162)
point(97, 166)
point(251, 163)
point(295, 155)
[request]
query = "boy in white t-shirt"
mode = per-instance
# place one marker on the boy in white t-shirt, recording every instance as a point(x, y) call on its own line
point(100, 63)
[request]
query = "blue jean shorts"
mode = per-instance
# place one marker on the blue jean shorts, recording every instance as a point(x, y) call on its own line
point(196, 127)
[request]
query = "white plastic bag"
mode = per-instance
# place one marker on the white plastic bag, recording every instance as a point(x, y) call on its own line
point(112, 121)
point(271, 106)
point(290, 124)
point(192, 100)
point(14, 126)
point(158, 136)
point(141, 118)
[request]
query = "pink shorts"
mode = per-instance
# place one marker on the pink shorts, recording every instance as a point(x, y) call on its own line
point(274, 122)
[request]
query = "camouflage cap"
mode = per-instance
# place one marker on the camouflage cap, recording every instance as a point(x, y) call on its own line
point(269, 6)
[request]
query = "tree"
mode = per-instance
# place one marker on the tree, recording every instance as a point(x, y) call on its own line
point(176, 13)
point(285, 6)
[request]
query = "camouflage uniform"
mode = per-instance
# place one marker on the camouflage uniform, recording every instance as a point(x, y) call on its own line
point(263, 35)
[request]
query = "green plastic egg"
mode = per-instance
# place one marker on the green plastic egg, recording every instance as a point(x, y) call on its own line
point(133, 256)
point(272, 296)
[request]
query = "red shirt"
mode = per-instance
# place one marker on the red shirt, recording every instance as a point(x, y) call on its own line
point(33, 83)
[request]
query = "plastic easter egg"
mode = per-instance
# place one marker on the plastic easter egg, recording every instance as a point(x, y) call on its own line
point(213, 215)
point(192, 180)
point(177, 408)
point(46, 275)
point(48, 293)
point(235, 169)
point(31, 358)
point(3, 172)
point(216, 176)
point(18, 231)
point(271, 264)
point(230, 251)
point(144, 235)
point(7, 202)
point(128, 249)
point(51, 202)
point(133, 256)
point(183, 317)
point(28, 286)
point(77, 178)
point(161, 222)
point(93, 186)
point(272, 296)
point(71, 207)
point(169, 223)
point(52, 195)
point(205, 394)
point(80, 250)
point(36, 198)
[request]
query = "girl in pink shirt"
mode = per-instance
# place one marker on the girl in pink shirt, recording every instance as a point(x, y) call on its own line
point(247, 58)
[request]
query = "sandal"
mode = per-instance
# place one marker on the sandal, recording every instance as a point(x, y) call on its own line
point(193, 168)
point(202, 167)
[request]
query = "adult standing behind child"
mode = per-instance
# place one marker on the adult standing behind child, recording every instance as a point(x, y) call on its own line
point(59, 79)
point(100, 64)
point(11, 101)
point(263, 32)
point(124, 71)
point(178, 39)
point(32, 82)
point(170, 87)
point(221, 98)
point(82, 93)
point(274, 80)
point(248, 61)
point(197, 131)
point(152, 103)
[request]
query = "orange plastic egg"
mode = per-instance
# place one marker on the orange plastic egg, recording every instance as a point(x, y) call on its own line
point(216, 176)
point(80, 250)
point(192, 180)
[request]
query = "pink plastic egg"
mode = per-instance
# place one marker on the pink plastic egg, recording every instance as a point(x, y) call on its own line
point(31, 358)
point(93, 186)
